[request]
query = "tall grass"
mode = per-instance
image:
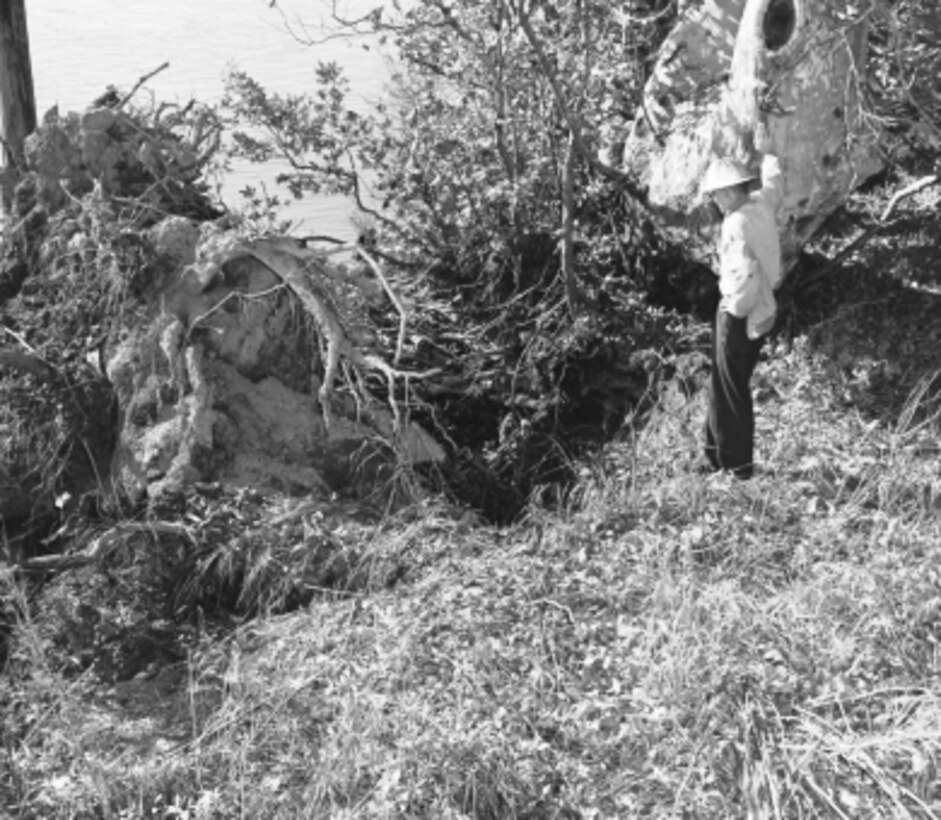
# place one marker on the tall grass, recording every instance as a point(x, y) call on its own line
point(668, 647)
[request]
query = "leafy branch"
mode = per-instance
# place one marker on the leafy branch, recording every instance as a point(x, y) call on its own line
point(574, 122)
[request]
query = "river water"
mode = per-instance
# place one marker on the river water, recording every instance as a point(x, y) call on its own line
point(79, 47)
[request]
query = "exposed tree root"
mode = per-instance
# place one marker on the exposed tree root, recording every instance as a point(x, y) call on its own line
point(302, 271)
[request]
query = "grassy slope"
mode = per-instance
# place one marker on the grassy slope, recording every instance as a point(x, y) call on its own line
point(672, 647)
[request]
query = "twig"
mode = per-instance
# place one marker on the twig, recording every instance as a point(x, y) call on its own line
point(22, 341)
point(30, 362)
point(914, 188)
point(233, 295)
point(139, 83)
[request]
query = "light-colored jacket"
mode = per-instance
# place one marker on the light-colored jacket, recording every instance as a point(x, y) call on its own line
point(750, 253)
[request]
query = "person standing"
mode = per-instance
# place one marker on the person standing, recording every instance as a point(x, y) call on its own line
point(749, 271)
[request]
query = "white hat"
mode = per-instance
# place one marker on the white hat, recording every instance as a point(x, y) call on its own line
point(724, 173)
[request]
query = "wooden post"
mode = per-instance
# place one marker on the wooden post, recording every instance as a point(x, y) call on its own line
point(17, 100)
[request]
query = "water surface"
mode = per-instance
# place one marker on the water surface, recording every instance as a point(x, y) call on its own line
point(80, 47)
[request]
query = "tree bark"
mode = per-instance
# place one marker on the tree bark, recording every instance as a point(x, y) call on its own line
point(17, 101)
point(796, 65)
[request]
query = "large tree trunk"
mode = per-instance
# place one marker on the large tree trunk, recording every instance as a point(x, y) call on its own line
point(17, 103)
point(802, 61)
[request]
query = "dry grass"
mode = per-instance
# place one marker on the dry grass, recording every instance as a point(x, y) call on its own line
point(668, 647)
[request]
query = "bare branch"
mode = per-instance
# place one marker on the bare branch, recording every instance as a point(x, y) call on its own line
point(30, 361)
point(138, 85)
point(357, 197)
point(911, 190)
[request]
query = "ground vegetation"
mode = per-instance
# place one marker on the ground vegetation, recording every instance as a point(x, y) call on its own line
point(561, 619)
point(663, 647)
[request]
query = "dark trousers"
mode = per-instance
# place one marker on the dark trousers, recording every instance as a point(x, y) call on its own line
point(730, 422)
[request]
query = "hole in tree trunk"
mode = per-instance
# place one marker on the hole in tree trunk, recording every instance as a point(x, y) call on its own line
point(780, 23)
